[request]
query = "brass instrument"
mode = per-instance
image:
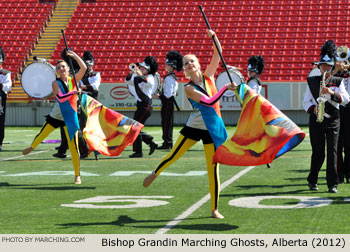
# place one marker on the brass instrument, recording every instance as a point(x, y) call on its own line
point(133, 67)
point(321, 100)
point(343, 55)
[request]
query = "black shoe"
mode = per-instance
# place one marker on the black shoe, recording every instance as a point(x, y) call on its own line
point(59, 155)
point(96, 154)
point(136, 155)
point(313, 187)
point(333, 189)
point(56, 148)
point(153, 147)
point(347, 180)
point(165, 147)
point(84, 155)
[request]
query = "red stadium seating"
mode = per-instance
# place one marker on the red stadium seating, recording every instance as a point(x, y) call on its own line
point(288, 34)
point(21, 22)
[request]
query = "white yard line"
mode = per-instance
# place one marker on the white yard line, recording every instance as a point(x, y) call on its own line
point(201, 202)
point(34, 153)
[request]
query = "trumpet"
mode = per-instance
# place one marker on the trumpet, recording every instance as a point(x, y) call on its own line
point(133, 67)
point(343, 53)
point(321, 100)
point(343, 56)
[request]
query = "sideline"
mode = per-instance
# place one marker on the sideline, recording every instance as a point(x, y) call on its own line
point(201, 202)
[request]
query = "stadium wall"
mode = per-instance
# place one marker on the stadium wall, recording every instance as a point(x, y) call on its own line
point(287, 96)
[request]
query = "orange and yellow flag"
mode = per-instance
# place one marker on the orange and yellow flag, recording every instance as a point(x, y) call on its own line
point(108, 131)
point(263, 133)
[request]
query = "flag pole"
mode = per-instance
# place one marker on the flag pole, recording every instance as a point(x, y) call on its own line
point(70, 61)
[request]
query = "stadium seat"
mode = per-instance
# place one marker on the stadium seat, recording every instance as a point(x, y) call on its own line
point(131, 29)
point(21, 23)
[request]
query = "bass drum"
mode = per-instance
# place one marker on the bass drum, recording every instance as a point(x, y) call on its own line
point(314, 72)
point(37, 79)
point(222, 79)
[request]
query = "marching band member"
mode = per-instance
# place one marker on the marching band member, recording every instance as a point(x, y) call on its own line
point(92, 79)
point(326, 129)
point(256, 66)
point(203, 124)
point(144, 83)
point(5, 87)
point(167, 97)
point(343, 160)
point(55, 118)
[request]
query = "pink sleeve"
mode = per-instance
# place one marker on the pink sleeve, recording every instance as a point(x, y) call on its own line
point(64, 97)
point(210, 101)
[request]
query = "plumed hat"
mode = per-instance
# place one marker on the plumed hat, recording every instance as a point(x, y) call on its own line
point(151, 64)
point(328, 53)
point(256, 64)
point(2, 55)
point(88, 58)
point(174, 59)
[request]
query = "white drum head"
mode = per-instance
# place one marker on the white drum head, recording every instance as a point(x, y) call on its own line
point(223, 79)
point(37, 79)
point(315, 72)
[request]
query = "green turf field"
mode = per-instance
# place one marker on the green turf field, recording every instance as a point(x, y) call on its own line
point(38, 195)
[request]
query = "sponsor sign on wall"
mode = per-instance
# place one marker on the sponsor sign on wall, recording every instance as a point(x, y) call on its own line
point(285, 96)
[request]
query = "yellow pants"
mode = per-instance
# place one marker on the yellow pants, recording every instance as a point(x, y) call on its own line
point(182, 145)
point(72, 145)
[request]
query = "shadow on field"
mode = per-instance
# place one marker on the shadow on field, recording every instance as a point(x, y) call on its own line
point(45, 187)
point(124, 220)
point(293, 192)
point(12, 150)
point(301, 171)
point(58, 188)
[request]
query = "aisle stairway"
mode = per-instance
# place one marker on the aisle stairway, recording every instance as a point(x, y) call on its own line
point(47, 41)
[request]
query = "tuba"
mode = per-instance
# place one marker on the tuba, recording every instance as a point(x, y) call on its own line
point(321, 100)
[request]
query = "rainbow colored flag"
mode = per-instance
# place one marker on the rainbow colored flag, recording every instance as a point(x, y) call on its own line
point(263, 133)
point(106, 130)
point(68, 106)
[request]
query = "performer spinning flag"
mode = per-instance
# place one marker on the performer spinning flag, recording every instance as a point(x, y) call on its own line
point(263, 133)
point(107, 131)
point(64, 110)
point(204, 123)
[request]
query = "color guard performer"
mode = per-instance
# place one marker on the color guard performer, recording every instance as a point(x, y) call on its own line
point(204, 123)
point(61, 87)
point(324, 117)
